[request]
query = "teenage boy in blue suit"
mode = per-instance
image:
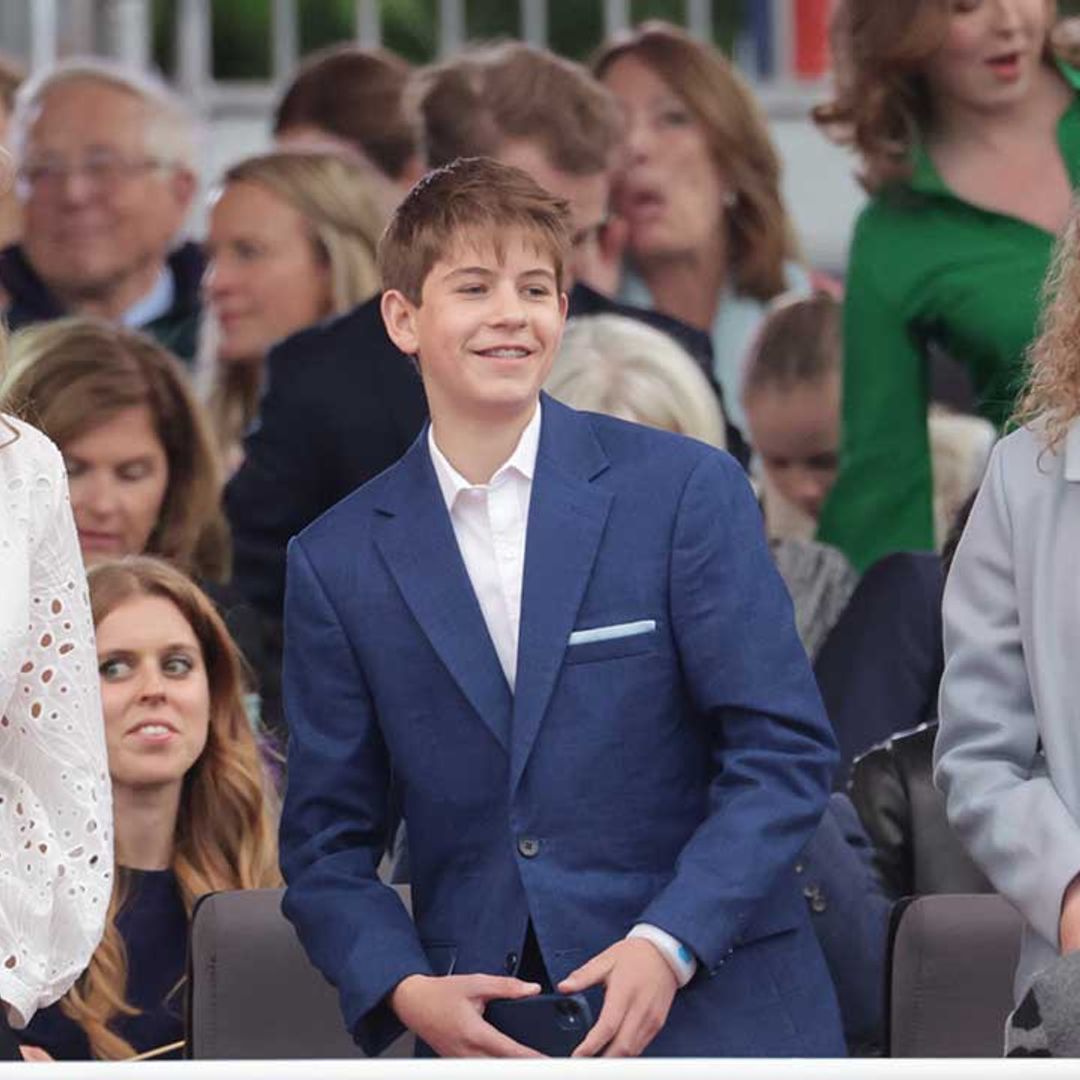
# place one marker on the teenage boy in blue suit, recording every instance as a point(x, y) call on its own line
point(557, 643)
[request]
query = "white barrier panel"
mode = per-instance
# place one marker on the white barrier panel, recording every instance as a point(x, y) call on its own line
point(682, 1069)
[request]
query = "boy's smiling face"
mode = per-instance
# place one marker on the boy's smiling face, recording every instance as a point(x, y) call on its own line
point(486, 329)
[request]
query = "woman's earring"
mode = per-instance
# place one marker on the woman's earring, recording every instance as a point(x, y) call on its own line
point(730, 199)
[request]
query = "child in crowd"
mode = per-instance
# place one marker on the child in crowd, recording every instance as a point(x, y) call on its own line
point(556, 641)
point(791, 396)
point(193, 809)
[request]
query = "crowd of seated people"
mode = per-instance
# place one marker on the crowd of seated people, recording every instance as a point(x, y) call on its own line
point(211, 399)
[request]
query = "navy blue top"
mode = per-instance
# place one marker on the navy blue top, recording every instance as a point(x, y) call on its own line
point(154, 927)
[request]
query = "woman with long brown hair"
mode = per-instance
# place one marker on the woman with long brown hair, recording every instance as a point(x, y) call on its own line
point(968, 130)
point(142, 466)
point(194, 811)
point(142, 463)
point(709, 240)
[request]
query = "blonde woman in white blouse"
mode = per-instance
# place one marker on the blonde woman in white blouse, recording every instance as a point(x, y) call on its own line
point(55, 804)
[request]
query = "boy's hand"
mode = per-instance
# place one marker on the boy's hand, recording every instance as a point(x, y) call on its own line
point(639, 988)
point(447, 1013)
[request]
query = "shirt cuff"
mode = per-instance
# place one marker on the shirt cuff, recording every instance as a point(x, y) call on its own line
point(681, 960)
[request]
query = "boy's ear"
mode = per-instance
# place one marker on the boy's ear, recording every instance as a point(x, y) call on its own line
point(564, 305)
point(399, 317)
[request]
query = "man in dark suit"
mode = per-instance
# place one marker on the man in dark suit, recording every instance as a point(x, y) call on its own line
point(558, 642)
point(341, 403)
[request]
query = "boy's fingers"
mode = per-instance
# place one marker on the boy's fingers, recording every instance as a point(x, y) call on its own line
point(589, 974)
point(604, 1030)
point(490, 1042)
point(487, 987)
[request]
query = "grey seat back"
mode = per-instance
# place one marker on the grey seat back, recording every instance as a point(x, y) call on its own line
point(952, 961)
point(253, 993)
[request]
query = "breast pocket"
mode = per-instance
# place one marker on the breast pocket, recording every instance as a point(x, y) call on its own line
point(613, 642)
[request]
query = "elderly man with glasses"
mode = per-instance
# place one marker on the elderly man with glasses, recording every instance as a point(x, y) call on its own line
point(105, 161)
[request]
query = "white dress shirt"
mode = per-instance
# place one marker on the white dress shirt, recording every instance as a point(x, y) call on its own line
point(490, 522)
point(56, 850)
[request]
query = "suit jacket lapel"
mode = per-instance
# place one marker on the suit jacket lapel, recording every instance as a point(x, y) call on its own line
point(416, 539)
point(567, 515)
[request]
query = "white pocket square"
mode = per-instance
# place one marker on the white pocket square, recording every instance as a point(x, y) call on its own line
point(610, 633)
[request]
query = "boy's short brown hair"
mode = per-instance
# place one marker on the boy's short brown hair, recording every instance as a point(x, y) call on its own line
point(471, 104)
point(471, 201)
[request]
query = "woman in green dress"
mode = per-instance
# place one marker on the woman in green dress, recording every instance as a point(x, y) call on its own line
point(968, 129)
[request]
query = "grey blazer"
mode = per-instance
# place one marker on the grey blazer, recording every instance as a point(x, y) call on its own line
point(1008, 750)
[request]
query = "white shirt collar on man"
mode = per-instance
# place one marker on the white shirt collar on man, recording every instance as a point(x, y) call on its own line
point(490, 522)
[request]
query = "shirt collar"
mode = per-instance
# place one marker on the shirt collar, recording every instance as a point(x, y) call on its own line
point(522, 461)
point(157, 302)
point(925, 177)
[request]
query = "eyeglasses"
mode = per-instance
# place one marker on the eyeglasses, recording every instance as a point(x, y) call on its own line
point(103, 170)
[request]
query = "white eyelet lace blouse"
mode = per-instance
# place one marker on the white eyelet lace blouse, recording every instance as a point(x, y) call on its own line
point(55, 800)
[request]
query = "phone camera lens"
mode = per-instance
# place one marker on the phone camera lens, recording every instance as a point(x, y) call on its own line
point(569, 1013)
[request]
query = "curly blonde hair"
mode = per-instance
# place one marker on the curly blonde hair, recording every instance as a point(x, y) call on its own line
point(1051, 396)
point(882, 106)
point(225, 834)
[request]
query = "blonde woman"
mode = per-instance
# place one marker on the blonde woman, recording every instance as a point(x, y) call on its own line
point(709, 240)
point(194, 810)
point(55, 809)
point(620, 366)
point(968, 133)
point(292, 240)
point(1008, 749)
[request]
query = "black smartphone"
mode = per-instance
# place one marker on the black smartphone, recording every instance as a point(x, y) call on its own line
point(554, 1024)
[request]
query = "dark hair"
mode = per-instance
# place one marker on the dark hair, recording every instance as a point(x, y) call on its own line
point(475, 199)
point(355, 94)
point(469, 105)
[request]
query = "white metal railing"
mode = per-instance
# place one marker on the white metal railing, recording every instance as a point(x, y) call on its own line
point(122, 28)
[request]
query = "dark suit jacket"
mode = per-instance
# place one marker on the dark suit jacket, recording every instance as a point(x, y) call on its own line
point(31, 301)
point(880, 666)
point(340, 405)
point(669, 771)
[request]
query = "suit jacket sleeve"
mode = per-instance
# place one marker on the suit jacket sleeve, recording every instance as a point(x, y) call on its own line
point(281, 487)
point(334, 822)
point(750, 681)
point(999, 797)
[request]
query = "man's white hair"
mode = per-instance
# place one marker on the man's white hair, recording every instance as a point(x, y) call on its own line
point(172, 133)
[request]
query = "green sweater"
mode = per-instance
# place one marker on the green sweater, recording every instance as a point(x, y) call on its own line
point(927, 268)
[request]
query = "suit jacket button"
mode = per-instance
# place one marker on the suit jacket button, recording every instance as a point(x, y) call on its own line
point(528, 846)
point(511, 962)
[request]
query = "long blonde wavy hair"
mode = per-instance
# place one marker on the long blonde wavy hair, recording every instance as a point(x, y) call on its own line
point(1051, 396)
point(225, 834)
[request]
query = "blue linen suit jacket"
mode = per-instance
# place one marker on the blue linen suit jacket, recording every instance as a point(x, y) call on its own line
point(670, 776)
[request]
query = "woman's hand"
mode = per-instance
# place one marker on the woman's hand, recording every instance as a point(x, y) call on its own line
point(1069, 930)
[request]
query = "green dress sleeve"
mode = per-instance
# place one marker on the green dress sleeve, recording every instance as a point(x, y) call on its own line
point(882, 500)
